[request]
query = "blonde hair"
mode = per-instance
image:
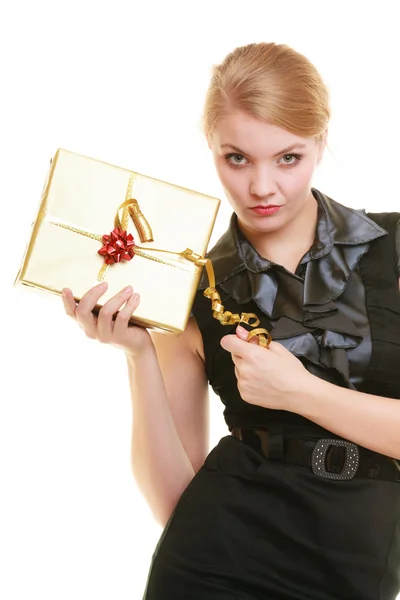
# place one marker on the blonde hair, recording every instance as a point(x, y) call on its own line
point(271, 82)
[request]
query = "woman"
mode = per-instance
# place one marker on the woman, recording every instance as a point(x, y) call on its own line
point(302, 500)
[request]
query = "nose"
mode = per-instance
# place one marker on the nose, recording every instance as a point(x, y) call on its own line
point(262, 183)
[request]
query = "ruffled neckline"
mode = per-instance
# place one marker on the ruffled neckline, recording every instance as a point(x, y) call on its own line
point(303, 313)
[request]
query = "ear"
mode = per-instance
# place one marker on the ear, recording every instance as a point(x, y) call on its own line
point(208, 140)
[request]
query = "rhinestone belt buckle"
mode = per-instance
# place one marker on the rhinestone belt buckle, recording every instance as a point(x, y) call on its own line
point(351, 462)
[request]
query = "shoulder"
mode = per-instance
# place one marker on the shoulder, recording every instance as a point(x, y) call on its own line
point(226, 256)
point(390, 221)
point(178, 345)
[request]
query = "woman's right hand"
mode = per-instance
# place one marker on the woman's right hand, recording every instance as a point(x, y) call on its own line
point(103, 327)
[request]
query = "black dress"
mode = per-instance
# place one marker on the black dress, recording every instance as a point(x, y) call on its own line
point(249, 528)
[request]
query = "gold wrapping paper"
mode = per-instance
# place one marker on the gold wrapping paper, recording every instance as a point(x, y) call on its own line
point(84, 199)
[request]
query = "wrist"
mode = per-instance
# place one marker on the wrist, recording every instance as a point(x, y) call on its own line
point(143, 354)
point(307, 390)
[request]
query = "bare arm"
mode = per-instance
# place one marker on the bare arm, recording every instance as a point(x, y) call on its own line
point(169, 395)
point(170, 431)
point(369, 420)
point(275, 379)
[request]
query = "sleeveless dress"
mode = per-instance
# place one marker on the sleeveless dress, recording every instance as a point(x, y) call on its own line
point(250, 528)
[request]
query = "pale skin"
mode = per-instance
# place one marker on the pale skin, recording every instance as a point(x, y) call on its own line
point(258, 164)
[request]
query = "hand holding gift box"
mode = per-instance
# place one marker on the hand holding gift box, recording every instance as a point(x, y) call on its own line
point(97, 221)
point(90, 218)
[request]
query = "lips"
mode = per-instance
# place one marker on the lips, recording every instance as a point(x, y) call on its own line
point(266, 206)
point(265, 211)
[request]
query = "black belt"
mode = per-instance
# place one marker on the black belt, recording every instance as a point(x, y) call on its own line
point(330, 458)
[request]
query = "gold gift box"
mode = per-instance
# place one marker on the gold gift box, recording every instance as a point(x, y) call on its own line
point(83, 200)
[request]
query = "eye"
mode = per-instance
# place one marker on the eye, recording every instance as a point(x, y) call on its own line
point(290, 159)
point(235, 159)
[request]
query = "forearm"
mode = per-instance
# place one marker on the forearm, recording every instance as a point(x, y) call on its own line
point(367, 420)
point(160, 464)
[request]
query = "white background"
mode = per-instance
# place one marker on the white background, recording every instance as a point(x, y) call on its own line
point(125, 82)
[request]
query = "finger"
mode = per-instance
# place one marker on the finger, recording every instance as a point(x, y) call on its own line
point(122, 320)
point(277, 347)
point(242, 333)
point(234, 345)
point(236, 359)
point(69, 303)
point(83, 312)
point(105, 322)
point(90, 299)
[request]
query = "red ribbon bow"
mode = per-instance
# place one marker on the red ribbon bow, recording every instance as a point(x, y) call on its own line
point(119, 245)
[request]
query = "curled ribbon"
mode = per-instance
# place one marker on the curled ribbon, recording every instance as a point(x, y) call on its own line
point(225, 317)
point(120, 245)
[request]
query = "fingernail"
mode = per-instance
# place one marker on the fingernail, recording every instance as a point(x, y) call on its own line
point(242, 333)
point(136, 297)
point(103, 285)
point(128, 290)
point(64, 293)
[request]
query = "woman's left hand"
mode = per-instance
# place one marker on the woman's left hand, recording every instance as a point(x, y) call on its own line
point(268, 377)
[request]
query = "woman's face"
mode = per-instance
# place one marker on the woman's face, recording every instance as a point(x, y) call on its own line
point(266, 171)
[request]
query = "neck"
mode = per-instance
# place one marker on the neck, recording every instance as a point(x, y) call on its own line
point(287, 245)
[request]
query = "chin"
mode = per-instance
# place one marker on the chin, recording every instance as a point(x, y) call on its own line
point(261, 224)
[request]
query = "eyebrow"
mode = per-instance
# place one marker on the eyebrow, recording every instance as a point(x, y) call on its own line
point(284, 151)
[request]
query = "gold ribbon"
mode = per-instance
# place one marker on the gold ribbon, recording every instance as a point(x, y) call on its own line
point(130, 208)
point(225, 317)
